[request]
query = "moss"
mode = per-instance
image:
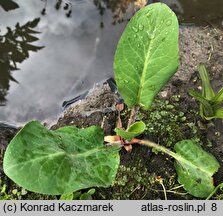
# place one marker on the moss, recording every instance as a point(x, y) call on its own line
point(140, 182)
point(130, 183)
point(218, 196)
point(167, 123)
point(142, 174)
point(11, 191)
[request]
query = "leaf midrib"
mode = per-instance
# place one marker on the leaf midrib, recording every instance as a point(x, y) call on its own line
point(182, 160)
point(79, 155)
point(146, 63)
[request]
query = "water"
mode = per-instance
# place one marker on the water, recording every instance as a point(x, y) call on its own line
point(78, 51)
point(197, 11)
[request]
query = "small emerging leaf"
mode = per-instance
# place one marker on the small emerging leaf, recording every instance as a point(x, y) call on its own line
point(87, 195)
point(134, 130)
point(69, 196)
point(218, 98)
point(137, 127)
point(206, 109)
point(195, 168)
point(207, 91)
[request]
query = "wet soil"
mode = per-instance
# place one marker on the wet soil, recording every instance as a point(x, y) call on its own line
point(204, 45)
point(6, 135)
point(197, 44)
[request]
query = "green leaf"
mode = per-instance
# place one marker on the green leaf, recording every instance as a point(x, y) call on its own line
point(134, 130)
point(218, 98)
point(218, 113)
point(91, 191)
point(195, 168)
point(137, 127)
point(62, 161)
point(76, 195)
point(220, 186)
point(69, 196)
point(147, 54)
point(206, 110)
point(87, 195)
point(207, 90)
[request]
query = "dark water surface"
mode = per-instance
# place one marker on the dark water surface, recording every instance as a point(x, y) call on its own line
point(78, 52)
point(197, 11)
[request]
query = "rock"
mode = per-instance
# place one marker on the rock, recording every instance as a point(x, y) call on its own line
point(97, 108)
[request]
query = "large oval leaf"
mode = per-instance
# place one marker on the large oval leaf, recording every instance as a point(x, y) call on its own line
point(147, 54)
point(195, 168)
point(62, 161)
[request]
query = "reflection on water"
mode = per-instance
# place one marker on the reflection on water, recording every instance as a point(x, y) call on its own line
point(8, 5)
point(77, 53)
point(60, 4)
point(192, 11)
point(15, 46)
point(197, 11)
point(119, 8)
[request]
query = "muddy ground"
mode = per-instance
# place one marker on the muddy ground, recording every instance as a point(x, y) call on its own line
point(143, 172)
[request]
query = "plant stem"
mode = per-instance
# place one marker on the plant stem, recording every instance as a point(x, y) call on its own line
point(214, 191)
point(169, 191)
point(133, 115)
point(156, 146)
point(159, 148)
point(164, 190)
point(177, 187)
